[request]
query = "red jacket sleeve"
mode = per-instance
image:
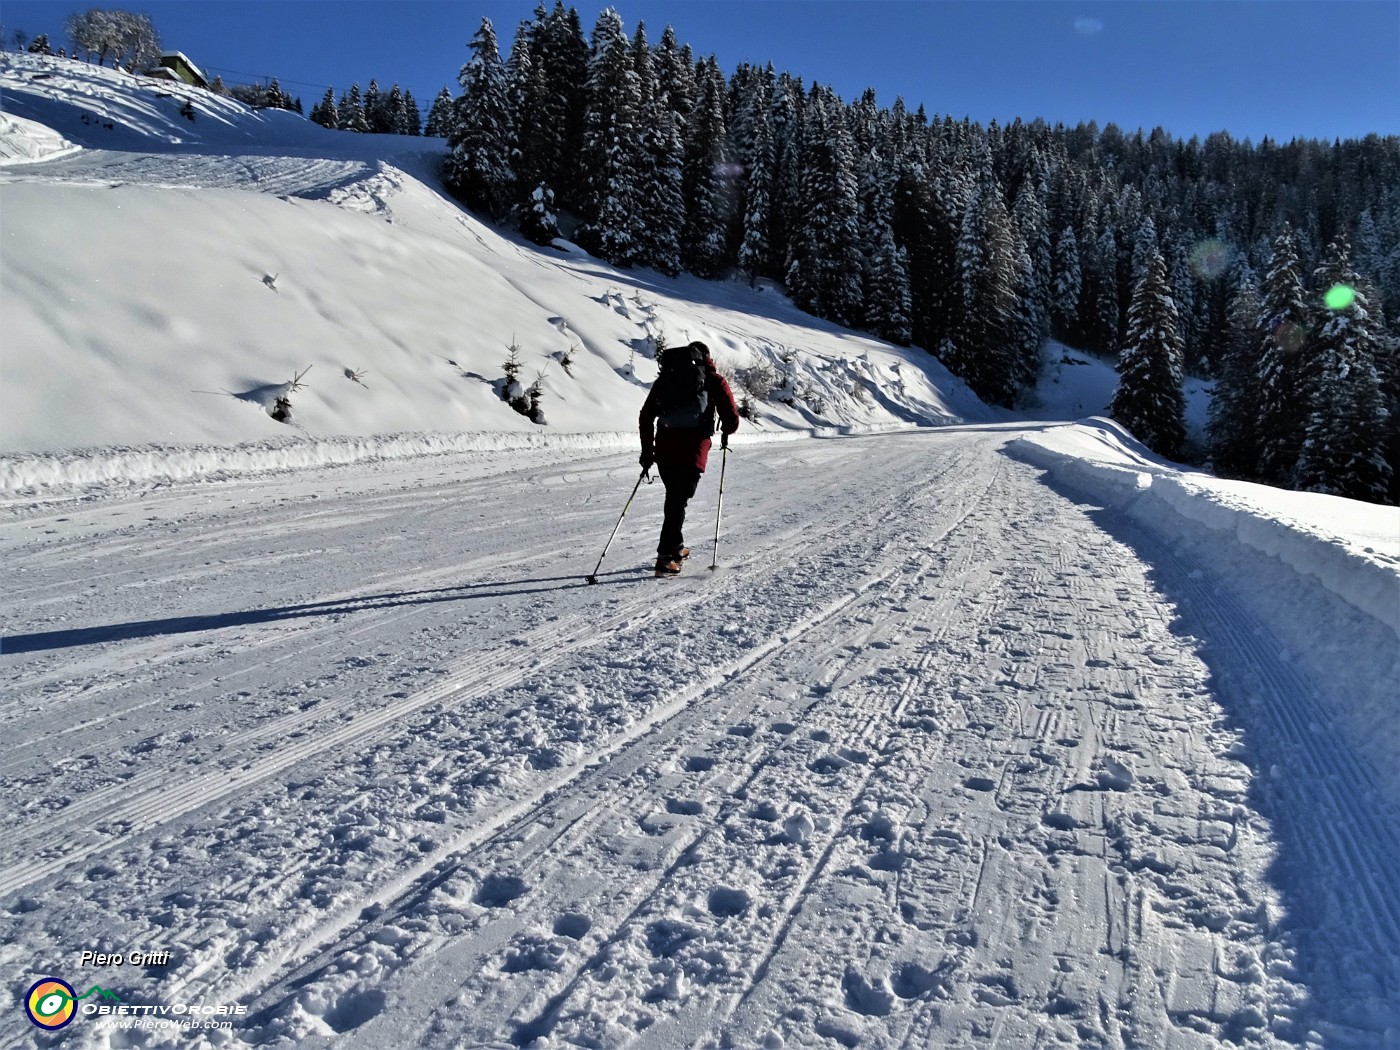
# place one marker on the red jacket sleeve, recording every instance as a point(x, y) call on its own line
point(723, 399)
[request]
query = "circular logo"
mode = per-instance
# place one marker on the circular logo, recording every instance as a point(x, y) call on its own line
point(51, 1003)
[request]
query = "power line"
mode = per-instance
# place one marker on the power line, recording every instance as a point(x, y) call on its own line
point(267, 76)
point(301, 83)
point(420, 107)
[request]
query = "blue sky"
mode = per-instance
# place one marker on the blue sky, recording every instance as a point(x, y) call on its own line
point(1281, 68)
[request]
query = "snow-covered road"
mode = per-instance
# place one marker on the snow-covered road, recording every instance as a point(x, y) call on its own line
point(943, 755)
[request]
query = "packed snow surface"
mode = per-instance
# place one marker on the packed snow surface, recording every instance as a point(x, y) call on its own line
point(982, 732)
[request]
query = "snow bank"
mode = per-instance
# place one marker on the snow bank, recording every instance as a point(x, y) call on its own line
point(98, 470)
point(1349, 547)
point(25, 141)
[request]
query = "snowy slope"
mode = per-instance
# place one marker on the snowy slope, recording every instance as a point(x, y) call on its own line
point(162, 286)
point(1001, 734)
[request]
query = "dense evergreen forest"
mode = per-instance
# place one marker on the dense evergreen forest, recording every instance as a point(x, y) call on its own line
point(1212, 257)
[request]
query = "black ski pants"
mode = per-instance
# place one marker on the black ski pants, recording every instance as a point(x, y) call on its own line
point(681, 483)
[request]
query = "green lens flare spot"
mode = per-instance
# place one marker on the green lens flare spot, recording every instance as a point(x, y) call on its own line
point(1339, 297)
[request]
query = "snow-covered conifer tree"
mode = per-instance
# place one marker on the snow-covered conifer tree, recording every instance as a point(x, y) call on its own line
point(1149, 400)
point(784, 210)
point(412, 121)
point(887, 305)
point(1064, 298)
point(611, 147)
point(1343, 450)
point(351, 111)
point(478, 167)
point(708, 179)
point(663, 205)
point(552, 138)
point(1106, 323)
point(1281, 331)
point(1032, 222)
point(955, 174)
point(522, 88)
point(824, 275)
point(1234, 445)
point(374, 109)
point(983, 346)
point(1032, 326)
point(324, 112)
point(913, 230)
point(1144, 245)
point(538, 219)
point(440, 116)
point(758, 160)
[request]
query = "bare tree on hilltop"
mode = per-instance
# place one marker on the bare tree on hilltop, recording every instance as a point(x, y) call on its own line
point(128, 39)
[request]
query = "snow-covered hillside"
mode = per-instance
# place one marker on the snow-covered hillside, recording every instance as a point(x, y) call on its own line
point(984, 732)
point(163, 284)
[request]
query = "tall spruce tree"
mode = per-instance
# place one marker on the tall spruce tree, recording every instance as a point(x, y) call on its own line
point(1149, 399)
point(375, 115)
point(1032, 223)
point(709, 180)
point(887, 291)
point(523, 88)
point(324, 112)
point(552, 137)
point(985, 346)
point(1106, 323)
point(1032, 325)
point(440, 116)
point(1234, 444)
point(913, 231)
point(612, 196)
point(1064, 298)
point(942, 303)
point(1281, 331)
point(758, 158)
point(661, 161)
point(824, 273)
point(478, 166)
point(351, 111)
point(1343, 451)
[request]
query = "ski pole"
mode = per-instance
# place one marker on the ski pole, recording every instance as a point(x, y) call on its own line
point(714, 560)
point(645, 476)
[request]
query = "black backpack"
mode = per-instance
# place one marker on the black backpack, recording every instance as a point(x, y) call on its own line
point(682, 397)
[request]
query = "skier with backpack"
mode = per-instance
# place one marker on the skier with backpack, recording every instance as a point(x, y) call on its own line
point(677, 423)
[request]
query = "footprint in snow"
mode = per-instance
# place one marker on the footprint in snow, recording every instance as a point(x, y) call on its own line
point(496, 891)
point(572, 925)
point(726, 902)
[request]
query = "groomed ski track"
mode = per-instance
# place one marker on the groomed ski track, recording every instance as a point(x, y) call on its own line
point(944, 755)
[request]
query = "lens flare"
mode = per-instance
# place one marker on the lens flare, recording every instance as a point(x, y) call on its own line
point(1211, 258)
point(1339, 297)
point(1287, 336)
